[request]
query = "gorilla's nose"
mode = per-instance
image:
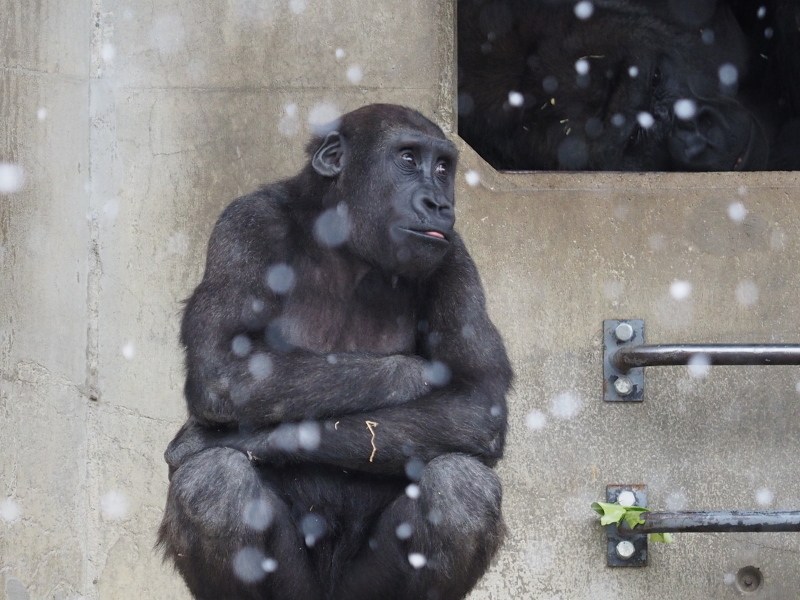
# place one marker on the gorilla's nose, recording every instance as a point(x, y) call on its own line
point(432, 207)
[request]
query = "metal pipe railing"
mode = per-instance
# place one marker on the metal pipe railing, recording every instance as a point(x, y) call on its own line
point(629, 357)
point(715, 521)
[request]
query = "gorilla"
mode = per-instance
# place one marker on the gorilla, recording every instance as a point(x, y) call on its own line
point(345, 386)
point(627, 85)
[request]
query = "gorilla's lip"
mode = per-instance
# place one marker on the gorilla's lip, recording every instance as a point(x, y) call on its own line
point(431, 234)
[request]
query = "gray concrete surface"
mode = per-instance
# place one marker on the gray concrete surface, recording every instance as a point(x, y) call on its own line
point(136, 122)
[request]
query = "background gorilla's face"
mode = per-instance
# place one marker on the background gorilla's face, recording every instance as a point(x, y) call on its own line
point(626, 89)
point(647, 95)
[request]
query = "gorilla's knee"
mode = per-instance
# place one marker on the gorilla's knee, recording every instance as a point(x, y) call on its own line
point(462, 494)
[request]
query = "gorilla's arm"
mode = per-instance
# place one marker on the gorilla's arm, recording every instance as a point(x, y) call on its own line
point(467, 414)
point(235, 375)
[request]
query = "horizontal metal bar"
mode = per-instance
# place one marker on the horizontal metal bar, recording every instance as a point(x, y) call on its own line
point(715, 521)
point(629, 357)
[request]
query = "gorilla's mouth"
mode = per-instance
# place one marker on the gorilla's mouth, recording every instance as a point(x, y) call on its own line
point(428, 233)
point(754, 152)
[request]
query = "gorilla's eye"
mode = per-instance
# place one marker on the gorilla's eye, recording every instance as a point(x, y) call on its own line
point(409, 158)
point(656, 78)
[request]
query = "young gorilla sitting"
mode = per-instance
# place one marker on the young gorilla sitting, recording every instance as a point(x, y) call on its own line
point(345, 386)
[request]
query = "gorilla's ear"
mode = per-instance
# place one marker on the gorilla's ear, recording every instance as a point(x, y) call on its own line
point(329, 158)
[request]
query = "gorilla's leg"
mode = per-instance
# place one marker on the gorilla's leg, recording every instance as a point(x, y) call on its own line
point(435, 546)
point(229, 533)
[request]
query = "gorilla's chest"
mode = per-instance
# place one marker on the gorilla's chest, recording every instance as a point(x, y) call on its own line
point(378, 315)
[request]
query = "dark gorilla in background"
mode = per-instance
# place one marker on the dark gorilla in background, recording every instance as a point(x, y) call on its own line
point(345, 386)
point(649, 85)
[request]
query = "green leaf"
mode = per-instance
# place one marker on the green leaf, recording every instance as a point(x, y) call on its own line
point(666, 538)
point(633, 517)
point(609, 513)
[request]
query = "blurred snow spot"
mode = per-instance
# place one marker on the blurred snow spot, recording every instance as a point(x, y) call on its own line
point(297, 6)
point(339, 53)
point(515, 99)
point(258, 514)
point(435, 516)
point(167, 34)
point(685, 109)
point(797, 387)
point(699, 365)
point(414, 469)
point(413, 491)
point(680, 290)
point(417, 560)
point(762, 12)
point(332, 227)
point(633, 71)
point(436, 373)
point(729, 578)
point(764, 497)
point(114, 505)
point(473, 178)
point(270, 565)
point(289, 125)
point(737, 212)
point(728, 74)
point(613, 289)
point(108, 52)
point(565, 405)
point(550, 84)
point(769, 32)
point(645, 119)
point(323, 118)
point(247, 565)
point(12, 178)
point(309, 435)
point(178, 243)
point(41, 114)
point(404, 531)
point(260, 366)
point(676, 501)
point(617, 120)
point(539, 555)
point(536, 420)
point(657, 242)
point(707, 35)
point(621, 212)
point(582, 66)
point(313, 527)
point(111, 210)
point(253, 13)
point(280, 278)
point(747, 293)
point(241, 345)
point(355, 74)
point(777, 240)
point(584, 10)
point(129, 350)
point(626, 498)
point(9, 511)
point(742, 190)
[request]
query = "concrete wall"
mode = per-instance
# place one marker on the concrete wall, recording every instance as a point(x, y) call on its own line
point(136, 122)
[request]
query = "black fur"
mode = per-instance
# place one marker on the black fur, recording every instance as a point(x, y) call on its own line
point(338, 350)
point(559, 118)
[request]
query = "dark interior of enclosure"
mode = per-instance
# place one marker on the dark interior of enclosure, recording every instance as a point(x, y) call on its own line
point(630, 85)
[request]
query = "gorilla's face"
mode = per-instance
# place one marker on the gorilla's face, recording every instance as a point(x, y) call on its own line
point(662, 100)
point(622, 90)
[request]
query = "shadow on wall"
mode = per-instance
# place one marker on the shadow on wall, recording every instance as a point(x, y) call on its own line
point(701, 85)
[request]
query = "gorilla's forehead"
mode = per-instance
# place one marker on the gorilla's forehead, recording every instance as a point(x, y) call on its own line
point(415, 137)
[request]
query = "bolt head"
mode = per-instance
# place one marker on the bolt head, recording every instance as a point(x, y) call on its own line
point(625, 549)
point(623, 385)
point(623, 332)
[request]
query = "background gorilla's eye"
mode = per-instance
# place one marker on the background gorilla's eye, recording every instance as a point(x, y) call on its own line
point(656, 77)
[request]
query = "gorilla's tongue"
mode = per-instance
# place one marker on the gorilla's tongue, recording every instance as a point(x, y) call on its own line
point(435, 234)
